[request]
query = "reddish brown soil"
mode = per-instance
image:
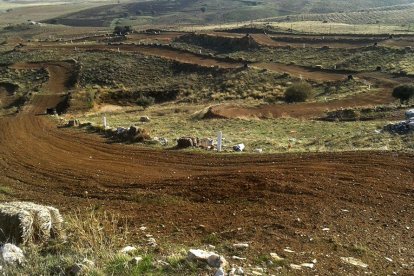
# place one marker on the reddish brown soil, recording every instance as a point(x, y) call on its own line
point(384, 81)
point(271, 201)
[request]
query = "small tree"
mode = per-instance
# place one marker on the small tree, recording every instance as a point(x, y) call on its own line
point(122, 30)
point(203, 9)
point(298, 92)
point(403, 92)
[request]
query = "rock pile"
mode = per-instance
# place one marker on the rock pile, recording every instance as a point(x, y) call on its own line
point(402, 127)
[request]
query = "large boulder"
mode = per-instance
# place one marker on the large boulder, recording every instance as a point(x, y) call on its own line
point(26, 222)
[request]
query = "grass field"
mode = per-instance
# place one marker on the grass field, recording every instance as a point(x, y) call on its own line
point(271, 135)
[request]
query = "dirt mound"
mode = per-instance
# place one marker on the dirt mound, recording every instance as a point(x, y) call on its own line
point(220, 43)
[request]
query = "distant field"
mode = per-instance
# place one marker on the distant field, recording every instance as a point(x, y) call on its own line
point(391, 16)
point(15, 13)
point(182, 12)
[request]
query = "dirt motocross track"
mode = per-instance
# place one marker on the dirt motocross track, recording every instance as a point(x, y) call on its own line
point(270, 201)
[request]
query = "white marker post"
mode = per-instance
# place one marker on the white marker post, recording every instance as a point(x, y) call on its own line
point(219, 141)
point(104, 122)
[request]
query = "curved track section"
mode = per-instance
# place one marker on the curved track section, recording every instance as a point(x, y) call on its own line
point(255, 198)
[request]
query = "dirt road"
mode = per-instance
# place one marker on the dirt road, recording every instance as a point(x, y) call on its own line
point(270, 201)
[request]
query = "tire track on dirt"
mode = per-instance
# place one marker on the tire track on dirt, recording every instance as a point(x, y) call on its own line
point(263, 195)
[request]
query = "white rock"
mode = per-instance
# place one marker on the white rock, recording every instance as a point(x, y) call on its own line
point(295, 266)
point(240, 245)
point(237, 258)
point(215, 260)
point(135, 260)
point(197, 254)
point(388, 259)
point(128, 249)
point(256, 273)
point(276, 257)
point(326, 229)
point(239, 271)
point(219, 272)
point(288, 250)
point(152, 242)
point(211, 258)
point(307, 265)
point(260, 269)
point(143, 228)
point(354, 261)
point(12, 254)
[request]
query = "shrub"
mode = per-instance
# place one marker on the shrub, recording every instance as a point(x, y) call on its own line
point(122, 30)
point(144, 101)
point(403, 92)
point(298, 92)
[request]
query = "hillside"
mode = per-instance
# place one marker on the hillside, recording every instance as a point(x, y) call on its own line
point(166, 12)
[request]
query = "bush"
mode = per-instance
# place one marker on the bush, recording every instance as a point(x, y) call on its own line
point(403, 92)
point(122, 30)
point(298, 92)
point(144, 101)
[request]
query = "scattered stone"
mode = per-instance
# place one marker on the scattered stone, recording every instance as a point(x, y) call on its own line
point(215, 260)
point(239, 147)
point(152, 242)
point(186, 142)
point(276, 257)
point(143, 228)
point(11, 254)
point(354, 261)
point(295, 266)
point(402, 127)
point(238, 258)
point(239, 271)
point(144, 119)
point(135, 260)
point(307, 265)
point(389, 259)
point(128, 249)
point(288, 250)
point(240, 245)
point(219, 272)
point(260, 269)
point(326, 229)
point(163, 141)
point(211, 258)
point(206, 143)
